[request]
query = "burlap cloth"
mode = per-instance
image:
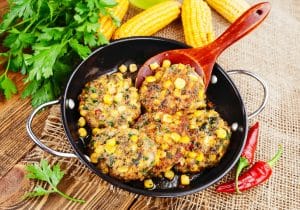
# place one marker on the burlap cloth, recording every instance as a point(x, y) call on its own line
point(272, 51)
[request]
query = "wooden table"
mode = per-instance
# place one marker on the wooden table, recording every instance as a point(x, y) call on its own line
point(15, 144)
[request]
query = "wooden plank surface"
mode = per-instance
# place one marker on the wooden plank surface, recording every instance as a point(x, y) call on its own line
point(15, 144)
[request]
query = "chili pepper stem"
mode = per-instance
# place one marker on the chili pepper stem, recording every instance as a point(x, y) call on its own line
point(243, 163)
point(272, 162)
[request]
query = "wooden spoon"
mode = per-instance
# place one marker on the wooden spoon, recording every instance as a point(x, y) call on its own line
point(204, 58)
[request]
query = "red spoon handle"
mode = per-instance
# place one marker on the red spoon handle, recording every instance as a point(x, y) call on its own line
point(242, 26)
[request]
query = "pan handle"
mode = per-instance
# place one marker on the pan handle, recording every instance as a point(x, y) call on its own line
point(36, 140)
point(262, 82)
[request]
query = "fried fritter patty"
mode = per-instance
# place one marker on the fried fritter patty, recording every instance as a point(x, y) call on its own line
point(126, 154)
point(210, 136)
point(169, 133)
point(174, 88)
point(109, 100)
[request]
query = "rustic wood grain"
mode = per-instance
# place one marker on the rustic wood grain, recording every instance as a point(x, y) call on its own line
point(15, 144)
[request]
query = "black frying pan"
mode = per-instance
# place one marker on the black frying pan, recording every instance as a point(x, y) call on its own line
point(221, 91)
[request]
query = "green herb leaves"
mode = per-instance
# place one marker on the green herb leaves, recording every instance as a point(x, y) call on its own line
point(7, 86)
point(46, 39)
point(52, 176)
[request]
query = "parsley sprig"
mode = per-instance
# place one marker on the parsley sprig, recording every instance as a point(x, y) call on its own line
point(44, 39)
point(6, 84)
point(52, 176)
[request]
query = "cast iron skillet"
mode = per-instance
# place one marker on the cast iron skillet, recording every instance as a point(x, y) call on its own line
point(221, 91)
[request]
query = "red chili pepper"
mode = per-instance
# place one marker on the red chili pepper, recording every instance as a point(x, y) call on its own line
point(247, 155)
point(257, 174)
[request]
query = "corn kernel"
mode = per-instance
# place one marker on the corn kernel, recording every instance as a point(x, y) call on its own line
point(83, 113)
point(184, 179)
point(157, 159)
point(112, 89)
point(169, 174)
point(163, 93)
point(118, 97)
point(175, 136)
point(134, 147)
point(123, 169)
point(81, 122)
point(111, 142)
point(99, 150)
point(82, 132)
point(166, 63)
point(154, 66)
point(198, 113)
point(181, 66)
point(134, 94)
point(167, 84)
point(114, 113)
point(121, 109)
point(126, 84)
point(105, 170)
point(157, 116)
point(123, 68)
point(177, 93)
point(150, 79)
point(107, 99)
point(144, 88)
point(201, 94)
point(177, 122)
point(194, 168)
point(212, 157)
point(179, 83)
point(220, 150)
point(133, 67)
point(221, 133)
point(158, 75)
point(193, 76)
point(119, 75)
point(200, 157)
point(193, 123)
point(161, 153)
point(167, 118)
point(94, 96)
point(179, 113)
point(110, 149)
point(165, 146)
point(94, 157)
point(192, 154)
point(124, 126)
point(167, 138)
point(212, 142)
point(148, 183)
point(134, 138)
point(185, 139)
point(156, 102)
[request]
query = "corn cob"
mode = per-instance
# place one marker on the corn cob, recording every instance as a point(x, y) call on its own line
point(197, 23)
point(150, 20)
point(229, 9)
point(107, 27)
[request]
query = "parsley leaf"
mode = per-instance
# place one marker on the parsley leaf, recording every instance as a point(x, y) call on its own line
point(82, 51)
point(108, 3)
point(8, 87)
point(43, 61)
point(52, 176)
point(38, 191)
